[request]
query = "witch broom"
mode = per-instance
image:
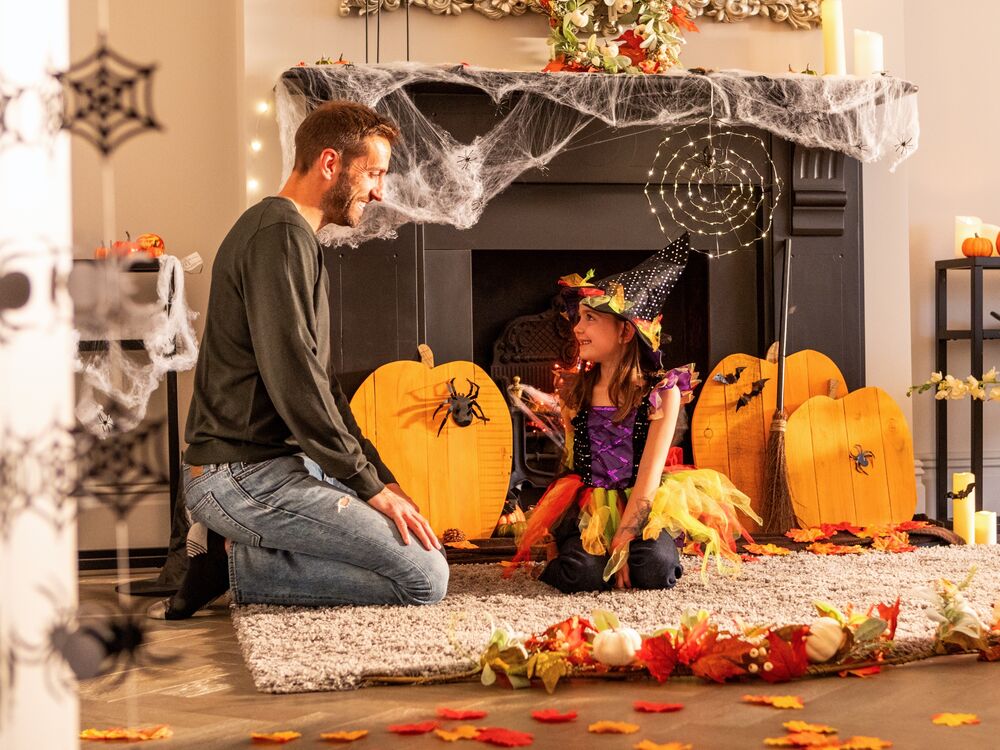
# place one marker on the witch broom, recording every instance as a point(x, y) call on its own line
point(779, 516)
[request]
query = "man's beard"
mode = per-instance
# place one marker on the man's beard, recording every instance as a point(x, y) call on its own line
point(337, 202)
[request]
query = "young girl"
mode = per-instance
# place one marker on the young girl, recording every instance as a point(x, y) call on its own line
point(607, 514)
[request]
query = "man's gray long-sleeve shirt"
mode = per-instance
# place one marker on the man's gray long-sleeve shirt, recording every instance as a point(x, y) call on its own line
point(263, 386)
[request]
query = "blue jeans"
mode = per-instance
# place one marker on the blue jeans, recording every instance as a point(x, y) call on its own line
point(300, 537)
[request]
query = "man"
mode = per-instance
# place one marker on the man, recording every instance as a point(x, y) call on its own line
point(276, 463)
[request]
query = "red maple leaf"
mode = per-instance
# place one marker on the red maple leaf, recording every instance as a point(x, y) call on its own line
point(911, 525)
point(552, 716)
point(693, 641)
point(422, 728)
point(452, 713)
point(659, 656)
point(656, 708)
point(629, 46)
point(681, 20)
point(722, 659)
point(889, 613)
point(504, 737)
point(786, 654)
point(832, 528)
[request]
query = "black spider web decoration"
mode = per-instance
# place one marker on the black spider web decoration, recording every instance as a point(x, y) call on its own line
point(108, 98)
point(34, 468)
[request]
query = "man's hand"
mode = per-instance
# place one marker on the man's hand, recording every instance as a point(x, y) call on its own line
point(403, 512)
point(394, 486)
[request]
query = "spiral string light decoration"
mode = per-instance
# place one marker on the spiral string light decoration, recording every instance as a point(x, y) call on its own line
point(714, 184)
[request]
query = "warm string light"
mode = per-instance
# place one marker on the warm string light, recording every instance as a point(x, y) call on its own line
point(719, 194)
point(256, 145)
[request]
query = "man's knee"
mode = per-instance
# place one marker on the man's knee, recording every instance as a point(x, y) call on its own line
point(428, 583)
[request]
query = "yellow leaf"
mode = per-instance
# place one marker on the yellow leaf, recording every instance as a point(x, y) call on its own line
point(463, 732)
point(647, 745)
point(954, 720)
point(277, 738)
point(351, 736)
point(811, 534)
point(778, 701)
point(464, 544)
point(865, 743)
point(766, 549)
point(613, 727)
point(804, 726)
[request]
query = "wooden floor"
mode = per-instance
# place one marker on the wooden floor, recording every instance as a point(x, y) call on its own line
point(208, 699)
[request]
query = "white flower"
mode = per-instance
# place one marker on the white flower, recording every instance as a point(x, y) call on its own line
point(621, 6)
point(994, 394)
point(991, 376)
point(936, 377)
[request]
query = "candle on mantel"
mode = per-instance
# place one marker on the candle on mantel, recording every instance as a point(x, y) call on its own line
point(990, 232)
point(868, 53)
point(963, 509)
point(965, 227)
point(986, 527)
point(834, 56)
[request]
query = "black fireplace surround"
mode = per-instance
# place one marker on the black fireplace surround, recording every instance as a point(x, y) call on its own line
point(457, 289)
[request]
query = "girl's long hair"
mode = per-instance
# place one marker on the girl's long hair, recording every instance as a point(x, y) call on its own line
point(627, 389)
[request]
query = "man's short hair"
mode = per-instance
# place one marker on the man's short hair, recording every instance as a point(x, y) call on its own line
point(342, 126)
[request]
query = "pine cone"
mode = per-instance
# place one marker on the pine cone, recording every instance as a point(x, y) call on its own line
point(453, 535)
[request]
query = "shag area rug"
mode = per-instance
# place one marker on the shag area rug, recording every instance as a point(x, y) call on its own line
point(300, 649)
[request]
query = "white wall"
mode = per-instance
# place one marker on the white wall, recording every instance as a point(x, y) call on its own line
point(954, 172)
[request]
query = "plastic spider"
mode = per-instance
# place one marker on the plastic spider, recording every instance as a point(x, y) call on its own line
point(862, 458)
point(462, 407)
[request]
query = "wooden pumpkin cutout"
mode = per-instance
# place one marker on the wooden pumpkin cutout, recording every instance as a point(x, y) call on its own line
point(851, 460)
point(733, 440)
point(458, 478)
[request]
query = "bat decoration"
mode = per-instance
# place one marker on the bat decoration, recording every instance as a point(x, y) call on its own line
point(962, 494)
point(756, 389)
point(730, 378)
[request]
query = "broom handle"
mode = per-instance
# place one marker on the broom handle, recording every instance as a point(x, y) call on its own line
point(783, 326)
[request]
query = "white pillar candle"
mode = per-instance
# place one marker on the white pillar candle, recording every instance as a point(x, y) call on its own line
point(965, 227)
point(963, 509)
point(834, 56)
point(986, 527)
point(868, 53)
point(990, 232)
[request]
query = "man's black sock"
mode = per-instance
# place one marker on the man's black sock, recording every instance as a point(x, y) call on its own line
point(207, 579)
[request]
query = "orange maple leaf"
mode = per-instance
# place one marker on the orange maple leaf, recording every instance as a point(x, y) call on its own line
point(861, 742)
point(777, 701)
point(128, 734)
point(803, 739)
point(422, 728)
point(832, 528)
point(897, 541)
point(274, 738)
point(829, 548)
point(459, 714)
point(722, 658)
point(804, 726)
point(870, 532)
point(954, 720)
point(464, 544)
point(889, 613)
point(462, 732)
point(659, 656)
point(613, 727)
point(912, 525)
point(648, 745)
point(656, 708)
point(766, 549)
point(861, 672)
point(812, 534)
point(347, 736)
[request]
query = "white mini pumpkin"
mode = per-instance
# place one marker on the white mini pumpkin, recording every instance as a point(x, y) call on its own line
point(825, 638)
point(616, 647)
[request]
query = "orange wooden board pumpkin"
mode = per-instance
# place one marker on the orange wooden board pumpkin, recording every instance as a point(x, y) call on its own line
point(458, 478)
point(825, 483)
point(733, 441)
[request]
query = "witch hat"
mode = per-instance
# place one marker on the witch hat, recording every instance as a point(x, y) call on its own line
point(637, 295)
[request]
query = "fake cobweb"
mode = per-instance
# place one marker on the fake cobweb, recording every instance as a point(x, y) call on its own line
point(434, 178)
point(116, 383)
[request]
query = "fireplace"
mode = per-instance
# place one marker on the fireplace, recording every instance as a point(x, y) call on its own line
point(456, 289)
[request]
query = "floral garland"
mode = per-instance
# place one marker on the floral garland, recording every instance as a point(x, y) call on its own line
point(648, 34)
point(836, 642)
point(949, 387)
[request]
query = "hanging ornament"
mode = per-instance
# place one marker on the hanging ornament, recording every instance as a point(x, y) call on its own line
point(719, 185)
point(108, 98)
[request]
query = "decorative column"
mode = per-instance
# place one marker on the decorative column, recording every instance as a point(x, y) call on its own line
point(38, 573)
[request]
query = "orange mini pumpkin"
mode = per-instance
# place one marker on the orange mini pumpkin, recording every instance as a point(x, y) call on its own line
point(152, 244)
point(977, 247)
